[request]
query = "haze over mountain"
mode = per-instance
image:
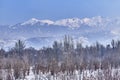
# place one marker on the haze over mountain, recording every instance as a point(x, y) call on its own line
point(38, 33)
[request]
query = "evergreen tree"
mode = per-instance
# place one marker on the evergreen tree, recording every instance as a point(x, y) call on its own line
point(19, 47)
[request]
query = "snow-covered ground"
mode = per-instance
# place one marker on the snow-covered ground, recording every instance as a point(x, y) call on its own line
point(108, 74)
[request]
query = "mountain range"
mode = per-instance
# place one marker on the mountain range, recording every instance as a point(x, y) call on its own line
point(38, 33)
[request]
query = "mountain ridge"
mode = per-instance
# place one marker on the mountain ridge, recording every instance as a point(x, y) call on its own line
point(92, 29)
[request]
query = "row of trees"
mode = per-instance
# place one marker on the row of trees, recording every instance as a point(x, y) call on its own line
point(62, 56)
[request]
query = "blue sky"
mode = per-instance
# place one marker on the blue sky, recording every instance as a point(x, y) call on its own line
point(15, 11)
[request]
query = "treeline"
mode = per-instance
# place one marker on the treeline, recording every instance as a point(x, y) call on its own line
point(62, 56)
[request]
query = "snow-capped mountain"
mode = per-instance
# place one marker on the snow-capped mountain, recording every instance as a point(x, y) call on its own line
point(71, 22)
point(40, 33)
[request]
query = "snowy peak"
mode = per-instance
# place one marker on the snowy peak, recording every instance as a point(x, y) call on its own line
point(71, 22)
point(33, 21)
point(49, 22)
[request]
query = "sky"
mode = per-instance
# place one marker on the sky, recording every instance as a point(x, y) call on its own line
point(15, 11)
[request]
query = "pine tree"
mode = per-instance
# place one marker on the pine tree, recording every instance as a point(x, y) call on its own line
point(19, 47)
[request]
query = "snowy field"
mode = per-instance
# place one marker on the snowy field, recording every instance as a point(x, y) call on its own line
point(110, 74)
